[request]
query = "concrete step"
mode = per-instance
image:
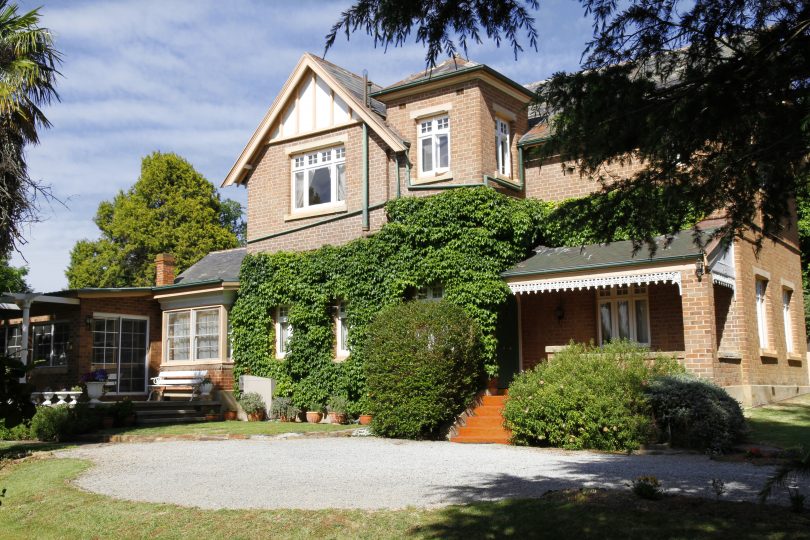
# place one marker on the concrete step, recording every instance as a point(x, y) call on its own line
point(169, 412)
point(170, 420)
point(183, 403)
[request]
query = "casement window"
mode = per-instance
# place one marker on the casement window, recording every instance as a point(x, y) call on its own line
point(121, 347)
point(624, 314)
point(51, 344)
point(787, 295)
point(283, 331)
point(319, 178)
point(762, 319)
point(431, 293)
point(193, 334)
point(503, 147)
point(342, 331)
point(434, 146)
point(12, 340)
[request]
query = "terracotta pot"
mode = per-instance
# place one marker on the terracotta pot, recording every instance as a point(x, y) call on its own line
point(212, 417)
point(313, 417)
point(107, 422)
point(257, 416)
point(337, 418)
point(365, 419)
point(283, 419)
point(230, 415)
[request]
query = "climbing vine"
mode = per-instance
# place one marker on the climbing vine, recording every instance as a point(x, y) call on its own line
point(462, 239)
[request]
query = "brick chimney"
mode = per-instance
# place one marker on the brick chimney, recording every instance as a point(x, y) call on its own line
point(164, 269)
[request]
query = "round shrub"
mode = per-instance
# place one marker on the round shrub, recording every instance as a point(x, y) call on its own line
point(695, 413)
point(53, 424)
point(586, 397)
point(424, 366)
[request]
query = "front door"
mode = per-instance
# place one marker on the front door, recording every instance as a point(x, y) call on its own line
point(508, 345)
point(121, 346)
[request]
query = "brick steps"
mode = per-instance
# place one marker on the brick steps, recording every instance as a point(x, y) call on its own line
point(485, 425)
point(174, 412)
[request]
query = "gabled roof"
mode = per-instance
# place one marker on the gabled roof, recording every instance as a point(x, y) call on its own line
point(448, 67)
point(548, 260)
point(217, 265)
point(346, 85)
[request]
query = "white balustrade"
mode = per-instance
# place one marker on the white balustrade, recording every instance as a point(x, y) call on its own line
point(62, 395)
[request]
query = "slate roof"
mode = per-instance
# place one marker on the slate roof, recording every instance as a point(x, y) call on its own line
point(548, 260)
point(352, 83)
point(451, 65)
point(217, 265)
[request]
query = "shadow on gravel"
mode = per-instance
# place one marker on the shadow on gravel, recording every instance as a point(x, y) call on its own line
point(613, 514)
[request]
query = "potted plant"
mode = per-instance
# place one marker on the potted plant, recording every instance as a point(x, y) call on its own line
point(337, 408)
point(206, 387)
point(253, 405)
point(94, 382)
point(229, 415)
point(283, 409)
point(314, 412)
point(123, 413)
point(365, 417)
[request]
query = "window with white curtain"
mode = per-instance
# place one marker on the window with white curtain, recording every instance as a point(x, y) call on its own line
point(762, 319)
point(434, 145)
point(787, 295)
point(283, 331)
point(624, 314)
point(503, 147)
point(193, 334)
point(319, 178)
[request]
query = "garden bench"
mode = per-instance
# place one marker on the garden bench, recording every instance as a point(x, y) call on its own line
point(179, 383)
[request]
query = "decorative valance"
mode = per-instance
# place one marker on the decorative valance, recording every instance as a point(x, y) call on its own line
point(595, 282)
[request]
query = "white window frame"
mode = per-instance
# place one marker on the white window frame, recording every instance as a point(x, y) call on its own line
point(304, 163)
point(761, 291)
point(193, 337)
point(52, 324)
point(430, 293)
point(430, 129)
point(112, 382)
point(787, 315)
point(612, 296)
point(18, 348)
point(282, 318)
point(503, 133)
point(341, 327)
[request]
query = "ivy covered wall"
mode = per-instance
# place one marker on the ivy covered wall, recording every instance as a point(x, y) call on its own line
point(462, 238)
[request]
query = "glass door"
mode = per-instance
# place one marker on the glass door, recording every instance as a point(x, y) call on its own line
point(120, 347)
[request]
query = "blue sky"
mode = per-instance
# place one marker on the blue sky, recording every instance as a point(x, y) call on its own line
point(195, 77)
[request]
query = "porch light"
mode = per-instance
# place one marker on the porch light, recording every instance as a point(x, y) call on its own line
point(699, 267)
point(89, 322)
point(559, 312)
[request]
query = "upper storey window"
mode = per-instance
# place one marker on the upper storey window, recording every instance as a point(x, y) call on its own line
point(434, 145)
point(319, 178)
point(503, 147)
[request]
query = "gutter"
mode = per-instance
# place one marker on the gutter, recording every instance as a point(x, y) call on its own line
point(509, 273)
point(366, 225)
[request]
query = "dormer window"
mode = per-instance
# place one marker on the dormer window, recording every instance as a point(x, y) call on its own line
point(503, 147)
point(319, 178)
point(434, 145)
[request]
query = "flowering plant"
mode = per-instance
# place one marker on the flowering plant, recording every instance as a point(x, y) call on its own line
point(99, 375)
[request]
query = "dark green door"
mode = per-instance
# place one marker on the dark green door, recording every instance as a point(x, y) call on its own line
point(508, 344)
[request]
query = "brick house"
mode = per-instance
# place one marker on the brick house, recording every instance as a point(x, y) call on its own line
point(333, 148)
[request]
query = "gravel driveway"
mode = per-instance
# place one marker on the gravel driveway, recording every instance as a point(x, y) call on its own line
point(378, 473)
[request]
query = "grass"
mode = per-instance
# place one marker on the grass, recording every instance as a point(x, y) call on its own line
point(40, 502)
point(228, 428)
point(785, 424)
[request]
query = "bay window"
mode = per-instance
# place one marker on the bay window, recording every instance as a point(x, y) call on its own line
point(503, 147)
point(434, 146)
point(193, 334)
point(319, 178)
point(624, 314)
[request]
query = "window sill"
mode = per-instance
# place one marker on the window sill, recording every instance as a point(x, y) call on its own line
point(796, 357)
point(767, 353)
point(340, 358)
point(196, 362)
point(443, 177)
point(332, 208)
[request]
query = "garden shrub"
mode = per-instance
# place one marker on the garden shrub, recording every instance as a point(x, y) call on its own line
point(423, 368)
point(53, 424)
point(695, 413)
point(586, 397)
point(20, 432)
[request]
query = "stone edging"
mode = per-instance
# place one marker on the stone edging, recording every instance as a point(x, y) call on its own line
point(124, 438)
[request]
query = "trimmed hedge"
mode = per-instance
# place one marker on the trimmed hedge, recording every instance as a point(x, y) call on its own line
point(424, 366)
point(695, 413)
point(586, 397)
point(62, 423)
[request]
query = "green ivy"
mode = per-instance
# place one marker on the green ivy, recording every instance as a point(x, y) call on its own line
point(462, 238)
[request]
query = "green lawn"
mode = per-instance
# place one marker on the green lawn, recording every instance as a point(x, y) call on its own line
point(785, 424)
point(228, 428)
point(41, 503)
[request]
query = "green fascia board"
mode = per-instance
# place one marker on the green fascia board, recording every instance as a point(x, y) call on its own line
point(461, 71)
point(191, 284)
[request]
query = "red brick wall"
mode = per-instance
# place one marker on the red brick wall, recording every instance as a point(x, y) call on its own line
point(666, 318)
point(552, 180)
